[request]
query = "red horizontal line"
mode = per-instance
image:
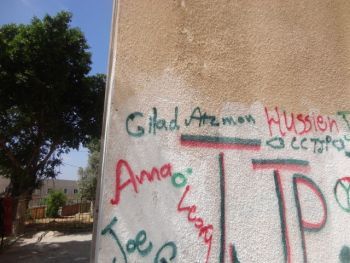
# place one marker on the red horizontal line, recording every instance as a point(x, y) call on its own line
point(345, 179)
point(311, 226)
point(227, 146)
point(289, 167)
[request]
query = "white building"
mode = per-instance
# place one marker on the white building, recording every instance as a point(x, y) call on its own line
point(69, 187)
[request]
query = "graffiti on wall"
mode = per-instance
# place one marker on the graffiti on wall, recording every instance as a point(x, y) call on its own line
point(309, 135)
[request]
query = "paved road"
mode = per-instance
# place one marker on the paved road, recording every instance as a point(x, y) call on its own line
point(49, 247)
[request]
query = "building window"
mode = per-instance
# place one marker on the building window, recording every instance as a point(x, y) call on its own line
point(75, 191)
point(49, 190)
point(65, 190)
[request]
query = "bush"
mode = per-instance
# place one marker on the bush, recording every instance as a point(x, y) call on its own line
point(54, 201)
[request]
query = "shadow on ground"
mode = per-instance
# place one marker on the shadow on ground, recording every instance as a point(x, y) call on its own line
point(58, 248)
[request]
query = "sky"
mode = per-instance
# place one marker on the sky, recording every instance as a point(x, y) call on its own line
point(93, 17)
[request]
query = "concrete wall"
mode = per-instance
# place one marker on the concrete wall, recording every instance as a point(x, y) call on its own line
point(227, 133)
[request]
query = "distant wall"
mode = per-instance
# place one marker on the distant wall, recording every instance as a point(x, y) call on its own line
point(37, 212)
point(69, 210)
point(227, 133)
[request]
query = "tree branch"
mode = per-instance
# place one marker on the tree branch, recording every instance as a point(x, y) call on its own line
point(35, 151)
point(9, 154)
point(47, 157)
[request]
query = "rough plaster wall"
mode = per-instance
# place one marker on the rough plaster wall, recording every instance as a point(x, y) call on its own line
point(270, 62)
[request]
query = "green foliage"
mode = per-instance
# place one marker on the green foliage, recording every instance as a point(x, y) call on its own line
point(48, 103)
point(88, 177)
point(54, 201)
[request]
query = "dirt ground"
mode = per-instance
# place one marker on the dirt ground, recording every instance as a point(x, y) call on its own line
point(49, 246)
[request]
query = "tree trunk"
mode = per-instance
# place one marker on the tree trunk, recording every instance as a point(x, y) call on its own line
point(92, 206)
point(20, 207)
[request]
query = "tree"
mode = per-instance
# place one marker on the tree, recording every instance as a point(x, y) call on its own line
point(48, 103)
point(88, 176)
point(54, 201)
